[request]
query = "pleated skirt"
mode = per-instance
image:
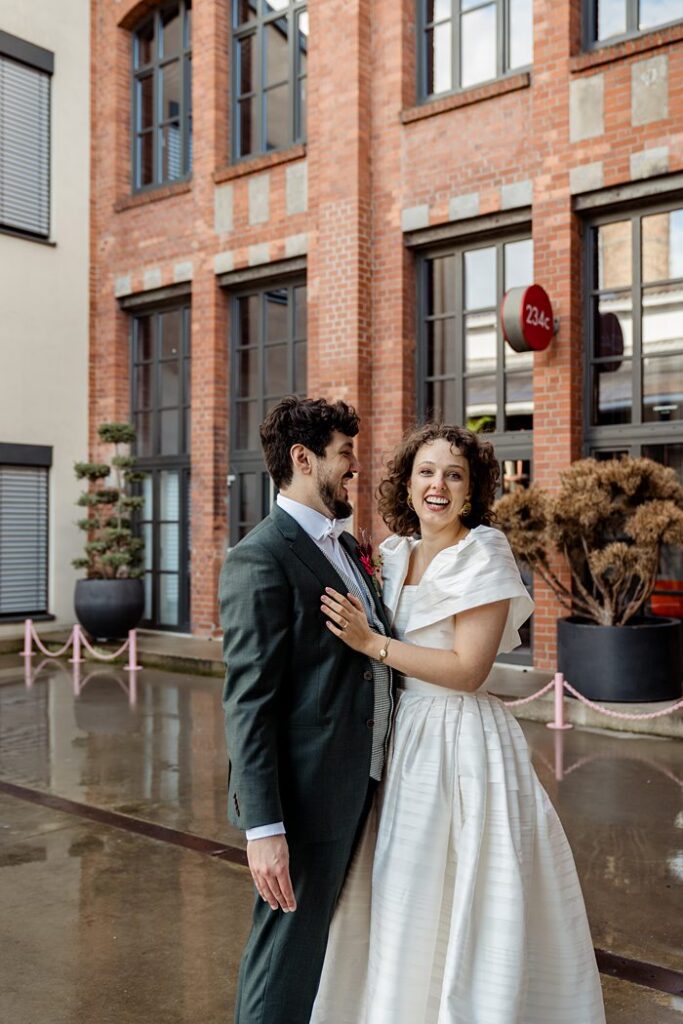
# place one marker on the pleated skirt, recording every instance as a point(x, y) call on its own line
point(462, 905)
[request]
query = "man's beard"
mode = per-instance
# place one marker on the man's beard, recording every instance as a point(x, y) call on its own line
point(337, 507)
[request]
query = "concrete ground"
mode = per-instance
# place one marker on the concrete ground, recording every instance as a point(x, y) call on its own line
point(123, 895)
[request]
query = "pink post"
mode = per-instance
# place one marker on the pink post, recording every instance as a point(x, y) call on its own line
point(76, 636)
point(133, 690)
point(559, 755)
point(76, 677)
point(132, 665)
point(559, 722)
point(28, 639)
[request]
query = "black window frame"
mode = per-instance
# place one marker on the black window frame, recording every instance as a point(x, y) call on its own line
point(41, 62)
point(246, 461)
point(639, 432)
point(38, 458)
point(154, 70)
point(590, 22)
point(238, 32)
point(503, 69)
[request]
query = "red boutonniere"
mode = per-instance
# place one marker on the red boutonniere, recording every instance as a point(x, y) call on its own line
point(371, 562)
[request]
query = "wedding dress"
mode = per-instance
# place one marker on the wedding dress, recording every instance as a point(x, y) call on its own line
point(462, 905)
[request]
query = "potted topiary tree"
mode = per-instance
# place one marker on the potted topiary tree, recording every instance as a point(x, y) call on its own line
point(111, 600)
point(610, 520)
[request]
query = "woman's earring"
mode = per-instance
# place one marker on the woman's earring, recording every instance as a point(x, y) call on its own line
point(410, 502)
point(466, 510)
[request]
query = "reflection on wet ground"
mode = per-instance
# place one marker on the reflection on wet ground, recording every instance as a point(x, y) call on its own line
point(132, 928)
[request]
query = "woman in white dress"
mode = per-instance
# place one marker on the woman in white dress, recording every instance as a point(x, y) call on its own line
point(462, 905)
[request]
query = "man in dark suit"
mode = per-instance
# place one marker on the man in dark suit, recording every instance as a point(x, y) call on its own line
point(307, 718)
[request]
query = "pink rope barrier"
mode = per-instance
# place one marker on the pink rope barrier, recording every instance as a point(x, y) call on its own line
point(30, 636)
point(526, 700)
point(76, 639)
point(621, 714)
point(97, 654)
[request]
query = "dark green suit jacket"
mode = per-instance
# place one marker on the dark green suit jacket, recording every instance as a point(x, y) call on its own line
point(298, 702)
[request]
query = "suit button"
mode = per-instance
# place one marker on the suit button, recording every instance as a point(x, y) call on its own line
point(367, 675)
point(370, 723)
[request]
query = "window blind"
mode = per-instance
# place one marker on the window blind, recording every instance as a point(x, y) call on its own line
point(24, 148)
point(23, 539)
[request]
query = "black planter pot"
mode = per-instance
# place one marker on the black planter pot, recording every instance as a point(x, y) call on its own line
point(107, 609)
point(640, 661)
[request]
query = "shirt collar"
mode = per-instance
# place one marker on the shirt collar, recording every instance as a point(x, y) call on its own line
point(314, 523)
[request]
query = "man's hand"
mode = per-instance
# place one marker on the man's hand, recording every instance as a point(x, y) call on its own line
point(269, 864)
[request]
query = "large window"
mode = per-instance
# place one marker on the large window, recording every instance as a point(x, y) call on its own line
point(634, 394)
point(162, 97)
point(270, 47)
point(466, 42)
point(25, 75)
point(24, 508)
point(609, 20)
point(268, 362)
point(161, 412)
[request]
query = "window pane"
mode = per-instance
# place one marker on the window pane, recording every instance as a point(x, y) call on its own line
point(272, 6)
point(169, 499)
point(168, 599)
point(170, 91)
point(247, 373)
point(437, 9)
point(170, 384)
point(440, 348)
point(277, 378)
point(663, 245)
point(276, 314)
point(188, 23)
point(300, 313)
point(439, 64)
point(143, 426)
point(247, 435)
point(143, 387)
point(248, 320)
point(478, 46)
point(480, 342)
point(302, 41)
point(515, 475)
point(169, 547)
point(171, 153)
point(519, 264)
point(301, 125)
point(668, 596)
point(480, 278)
point(659, 12)
point(521, 33)
point(275, 52)
point(613, 327)
point(246, 65)
point(519, 401)
point(171, 30)
point(516, 361)
point(300, 367)
point(243, 11)
point(614, 255)
point(169, 429)
point(144, 328)
point(276, 103)
point(480, 403)
point(441, 285)
point(663, 319)
point(247, 120)
point(170, 326)
point(144, 44)
point(441, 401)
point(612, 392)
point(663, 389)
point(145, 102)
point(249, 506)
point(611, 18)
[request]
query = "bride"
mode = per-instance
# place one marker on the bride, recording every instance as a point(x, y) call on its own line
point(462, 905)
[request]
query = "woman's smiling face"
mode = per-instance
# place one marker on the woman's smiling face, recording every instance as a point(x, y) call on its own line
point(439, 484)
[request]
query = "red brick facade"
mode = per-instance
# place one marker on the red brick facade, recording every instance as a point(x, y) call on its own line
point(372, 153)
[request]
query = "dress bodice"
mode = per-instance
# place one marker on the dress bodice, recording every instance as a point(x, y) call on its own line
point(402, 617)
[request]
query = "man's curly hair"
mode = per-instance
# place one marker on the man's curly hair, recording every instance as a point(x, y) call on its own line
point(307, 421)
point(484, 475)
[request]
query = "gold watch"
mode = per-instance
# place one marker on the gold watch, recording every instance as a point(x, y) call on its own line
point(385, 650)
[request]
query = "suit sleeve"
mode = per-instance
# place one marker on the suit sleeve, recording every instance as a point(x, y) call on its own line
point(255, 603)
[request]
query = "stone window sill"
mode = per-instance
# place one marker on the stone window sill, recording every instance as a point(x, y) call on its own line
point(154, 195)
point(259, 163)
point(608, 54)
point(465, 99)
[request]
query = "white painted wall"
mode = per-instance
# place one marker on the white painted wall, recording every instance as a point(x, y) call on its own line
point(44, 289)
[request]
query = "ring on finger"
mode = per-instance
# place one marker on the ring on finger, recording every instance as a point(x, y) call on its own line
point(343, 624)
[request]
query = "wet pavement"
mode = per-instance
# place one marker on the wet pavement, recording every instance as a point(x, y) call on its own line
point(99, 923)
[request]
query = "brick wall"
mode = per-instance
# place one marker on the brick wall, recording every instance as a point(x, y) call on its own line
point(375, 165)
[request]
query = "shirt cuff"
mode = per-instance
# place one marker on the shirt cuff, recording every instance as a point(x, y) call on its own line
point(265, 831)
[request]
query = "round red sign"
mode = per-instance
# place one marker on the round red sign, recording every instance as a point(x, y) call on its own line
point(527, 316)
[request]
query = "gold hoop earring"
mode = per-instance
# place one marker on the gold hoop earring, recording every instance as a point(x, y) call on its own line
point(410, 502)
point(466, 510)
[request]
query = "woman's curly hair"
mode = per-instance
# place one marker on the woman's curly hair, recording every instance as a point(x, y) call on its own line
point(484, 475)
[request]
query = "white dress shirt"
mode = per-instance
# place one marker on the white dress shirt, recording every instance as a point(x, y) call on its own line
point(325, 533)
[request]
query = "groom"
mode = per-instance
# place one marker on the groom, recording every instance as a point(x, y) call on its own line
point(306, 717)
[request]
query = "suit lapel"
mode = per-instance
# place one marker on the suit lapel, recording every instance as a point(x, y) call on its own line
point(350, 545)
point(306, 550)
